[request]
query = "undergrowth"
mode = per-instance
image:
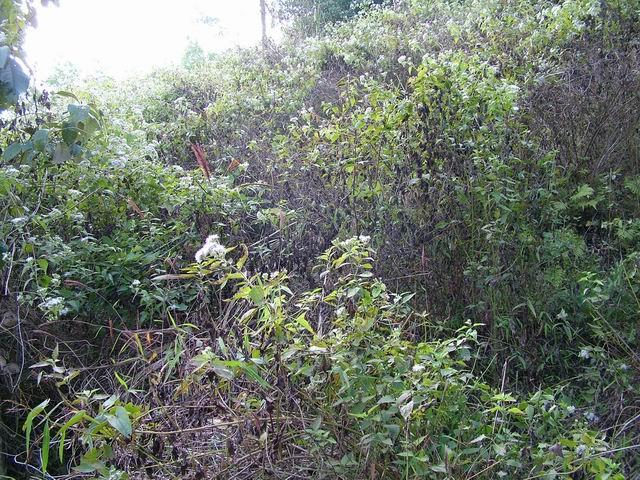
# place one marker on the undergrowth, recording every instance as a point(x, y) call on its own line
point(481, 155)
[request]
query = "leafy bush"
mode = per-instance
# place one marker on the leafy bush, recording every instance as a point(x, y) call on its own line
point(489, 151)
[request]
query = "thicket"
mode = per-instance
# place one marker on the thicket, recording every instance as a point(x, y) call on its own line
point(205, 271)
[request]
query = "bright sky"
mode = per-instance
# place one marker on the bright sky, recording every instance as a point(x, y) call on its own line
point(121, 37)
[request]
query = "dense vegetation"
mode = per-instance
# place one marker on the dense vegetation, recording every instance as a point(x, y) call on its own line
point(406, 246)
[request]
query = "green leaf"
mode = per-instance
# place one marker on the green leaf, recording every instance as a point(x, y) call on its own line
point(584, 191)
point(43, 263)
point(63, 93)
point(406, 410)
point(12, 151)
point(13, 81)
point(243, 258)
point(78, 113)
point(442, 468)
point(40, 139)
point(62, 433)
point(94, 459)
point(249, 370)
point(61, 154)
point(121, 381)
point(174, 276)
point(30, 417)
point(46, 441)
point(315, 425)
point(120, 421)
point(386, 399)
point(69, 133)
point(302, 321)
point(256, 294)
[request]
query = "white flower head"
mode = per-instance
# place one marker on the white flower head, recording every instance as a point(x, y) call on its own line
point(571, 409)
point(591, 417)
point(584, 353)
point(51, 303)
point(211, 248)
point(580, 449)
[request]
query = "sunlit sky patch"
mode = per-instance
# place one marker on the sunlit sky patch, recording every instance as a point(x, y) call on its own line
point(124, 37)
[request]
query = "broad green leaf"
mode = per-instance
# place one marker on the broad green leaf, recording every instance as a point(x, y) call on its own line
point(120, 421)
point(61, 154)
point(69, 134)
point(13, 81)
point(12, 151)
point(40, 139)
point(256, 294)
point(94, 459)
point(78, 113)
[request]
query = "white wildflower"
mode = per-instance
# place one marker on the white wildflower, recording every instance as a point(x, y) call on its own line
point(584, 353)
point(580, 449)
point(592, 417)
point(51, 303)
point(402, 59)
point(364, 238)
point(118, 163)
point(211, 248)
point(418, 367)
point(19, 220)
point(74, 193)
point(571, 409)
point(135, 283)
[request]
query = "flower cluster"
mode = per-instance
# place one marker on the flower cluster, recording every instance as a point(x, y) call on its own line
point(211, 248)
